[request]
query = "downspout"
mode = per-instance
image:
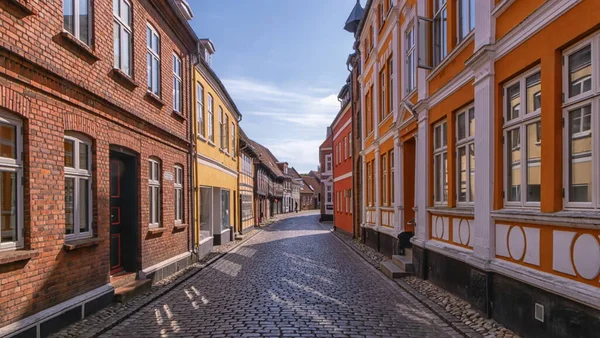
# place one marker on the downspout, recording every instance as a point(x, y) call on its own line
point(192, 158)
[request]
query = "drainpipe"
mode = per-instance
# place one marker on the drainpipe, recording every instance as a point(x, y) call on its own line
point(192, 158)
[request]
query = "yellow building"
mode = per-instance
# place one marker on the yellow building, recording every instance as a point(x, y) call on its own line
point(216, 160)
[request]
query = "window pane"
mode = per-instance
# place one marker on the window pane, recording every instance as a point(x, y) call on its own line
point(126, 13)
point(69, 23)
point(83, 156)
point(534, 93)
point(444, 134)
point(445, 176)
point(471, 14)
point(205, 212)
point(116, 7)
point(84, 205)
point(8, 196)
point(580, 71)
point(472, 122)
point(155, 73)
point(155, 43)
point(69, 205)
point(464, 18)
point(116, 45)
point(150, 204)
point(8, 141)
point(462, 133)
point(69, 153)
point(580, 158)
point(225, 209)
point(472, 172)
point(534, 156)
point(437, 178)
point(84, 21)
point(514, 165)
point(156, 196)
point(126, 51)
point(149, 70)
point(514, 102)
point(462, 174)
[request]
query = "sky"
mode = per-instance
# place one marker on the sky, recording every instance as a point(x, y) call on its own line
point(283, 62)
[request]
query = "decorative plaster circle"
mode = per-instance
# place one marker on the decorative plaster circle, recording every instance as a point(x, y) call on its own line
point(464, 232)
point(516, 243)
point(439, 227)
point(586, 256)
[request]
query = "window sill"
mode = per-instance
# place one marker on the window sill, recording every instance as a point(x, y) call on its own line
point(178, 115)
point(9, 257)
point(77, 47)
point(449, 57)
point(19, 8)
point(81, 243)
point(156, 231)
point(180, 227)
point(121, 77)
point(154, 99)
point(458, 211)
point(572, 218)
point(201, 138)
point(211, 143)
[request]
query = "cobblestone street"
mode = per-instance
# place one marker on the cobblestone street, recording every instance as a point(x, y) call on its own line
point(293, 279)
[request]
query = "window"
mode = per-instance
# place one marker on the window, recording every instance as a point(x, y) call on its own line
point(11, 189)
point(345, 148)
point(154, 175)
point(411, 66)
point(440, 163)
point(384, 180)
point(232, 138)
point(78, 19)
point(226, 130)
point(369, 111)
point(328, 190)
point(523, 164)
point(369, 183)
point(78, 187)
point(580, 154)
point(200, 110)
point(465, 152)
point(122, 35)
point(153, 60)
point(206, 208)
point(390, 89)
point(392, 179)
point(177, 88)
point(466, 18)
point(211, 122)
point(327, 162)
point(225, 209)
point(440, 31)
point(178, 184)
point(382, 96)
point(580, 72)
point(350, 144)
point(222, 139)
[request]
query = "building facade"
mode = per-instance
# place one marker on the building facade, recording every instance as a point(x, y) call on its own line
point(342, 167)
point(326, 166)
point(95, 165)
point(247, 177)
point(216, 159)
point(297, 183)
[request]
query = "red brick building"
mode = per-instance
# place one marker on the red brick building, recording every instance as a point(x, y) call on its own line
point(342, 163)
point(94, 129)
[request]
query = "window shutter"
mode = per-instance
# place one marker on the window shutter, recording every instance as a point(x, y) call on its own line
point(423, 41)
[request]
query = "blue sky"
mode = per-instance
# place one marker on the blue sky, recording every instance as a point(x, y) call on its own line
point(283, 62)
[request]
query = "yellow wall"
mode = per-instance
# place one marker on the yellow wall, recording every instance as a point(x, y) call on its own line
point(223, 172)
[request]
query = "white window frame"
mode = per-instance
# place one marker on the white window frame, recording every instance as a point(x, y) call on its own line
point(350, 144)
point(460, 16)
point(521, 122)
point(178, 187)
point(200, 125)
point(410, 55)
point(384, 180)
point(391, 159)
point(232, 135)
point(156, 198)
point(76, 21)
point(328, 163)
point(383, 106)
point(465, 143)
point(153, 56)
point(124, 28)
point(177, 84)
point(594, 42)
point(14, 165)
point(440, 152)
point(345, 148)
point(211, 119)
point(440, 52)
point(221, 118)
point(79, 173)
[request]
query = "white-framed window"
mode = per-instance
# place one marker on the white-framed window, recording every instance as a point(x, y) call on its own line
point(11, 189)
point(350, 144)
point(177, 84)
point(232, 139)
point(345, 148)
point(392, 178)
point(465, 156)
point(211, 119)
point(78, 187)
point(411, 65)
point(440, 31)
point(226, 130)
point(390, 89)
point(122, 35)
point(328, 192)
point(522, 126)
point(370, 184)
point(581, 69)
point(178, 186)
point(153, 59)
point(466, 18)
point(328, 162)
point(440, 163)
point(221, 131)
point(384, 180)
point(382, 98)
point(200, 110)
point(154, 192)
point(78, 19)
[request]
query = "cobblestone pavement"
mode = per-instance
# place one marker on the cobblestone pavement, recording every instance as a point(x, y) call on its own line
point(293, 279)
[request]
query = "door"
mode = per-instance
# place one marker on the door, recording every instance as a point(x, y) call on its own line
point(116, 225)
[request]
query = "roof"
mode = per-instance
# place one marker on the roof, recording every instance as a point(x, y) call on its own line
point(315, 174)
point(214, 75)
point(266, 158)
point(354, 18)
point(294, 173)
point(245, 144)
point(312, 182)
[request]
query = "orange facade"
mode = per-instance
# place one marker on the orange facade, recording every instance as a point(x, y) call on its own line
point(342, 169)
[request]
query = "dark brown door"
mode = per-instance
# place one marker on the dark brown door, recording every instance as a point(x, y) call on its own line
point(116, 169)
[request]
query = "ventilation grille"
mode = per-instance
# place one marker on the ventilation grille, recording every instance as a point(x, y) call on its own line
point(539, 312)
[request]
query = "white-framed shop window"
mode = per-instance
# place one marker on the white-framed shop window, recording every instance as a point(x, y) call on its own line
point(522, 140)
point(465, 156)
point(78, 19)
point(154, 192)
point(153, 59)
point(122, 35)
point(178, 186)
point(11, 188)
point(78, 186)
point(440, 163)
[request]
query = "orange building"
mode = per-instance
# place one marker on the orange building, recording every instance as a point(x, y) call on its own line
point(455, 93)
point(342, 163)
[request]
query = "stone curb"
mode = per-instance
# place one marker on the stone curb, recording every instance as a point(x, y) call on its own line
point(448, 318)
